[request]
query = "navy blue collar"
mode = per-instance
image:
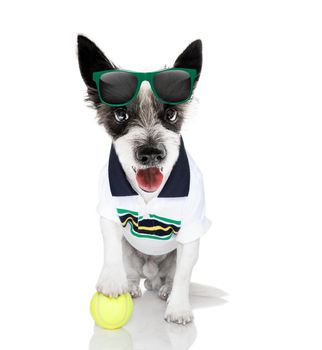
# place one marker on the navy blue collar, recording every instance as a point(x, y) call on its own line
point(177, 185)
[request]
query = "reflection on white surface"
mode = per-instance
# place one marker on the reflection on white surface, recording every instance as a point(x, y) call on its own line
point(147, 328)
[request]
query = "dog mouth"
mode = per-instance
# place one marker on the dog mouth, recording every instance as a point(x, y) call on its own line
point(149, 179)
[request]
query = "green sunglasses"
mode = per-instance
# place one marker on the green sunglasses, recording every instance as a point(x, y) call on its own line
point(119, 87)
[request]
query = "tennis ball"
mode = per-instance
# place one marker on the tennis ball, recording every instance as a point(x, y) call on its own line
point(111, 313)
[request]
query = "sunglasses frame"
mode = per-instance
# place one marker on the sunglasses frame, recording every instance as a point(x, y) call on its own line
point(141, 77)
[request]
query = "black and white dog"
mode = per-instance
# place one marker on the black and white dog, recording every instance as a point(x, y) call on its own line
point(146, 134)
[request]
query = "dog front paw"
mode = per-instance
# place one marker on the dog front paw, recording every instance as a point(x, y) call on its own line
point(178, 311)
point(112, 281)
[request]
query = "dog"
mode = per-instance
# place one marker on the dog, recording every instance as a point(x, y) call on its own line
point(151, 202)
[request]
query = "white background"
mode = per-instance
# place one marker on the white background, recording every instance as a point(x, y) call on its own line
point(257, 139)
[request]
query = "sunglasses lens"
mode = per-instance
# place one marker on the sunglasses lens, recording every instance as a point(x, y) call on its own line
point(173, 86)
point(117, 87)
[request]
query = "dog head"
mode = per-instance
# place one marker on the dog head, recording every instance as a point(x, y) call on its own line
point(145, 133)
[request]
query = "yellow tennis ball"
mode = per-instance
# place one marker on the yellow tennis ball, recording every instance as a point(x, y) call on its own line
point(111, 313)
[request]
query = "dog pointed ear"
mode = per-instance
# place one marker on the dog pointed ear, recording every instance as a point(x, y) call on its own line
point(191, 57)
point(91, 59)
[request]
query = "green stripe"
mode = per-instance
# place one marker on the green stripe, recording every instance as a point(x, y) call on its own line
point(176, 222)
point(125, 211)
point(148, 236)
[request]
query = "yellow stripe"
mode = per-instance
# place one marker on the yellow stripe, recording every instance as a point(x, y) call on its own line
point(152, 228)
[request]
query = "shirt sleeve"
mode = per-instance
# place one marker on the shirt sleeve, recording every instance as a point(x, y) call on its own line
point(106, 207)
point(194, 221)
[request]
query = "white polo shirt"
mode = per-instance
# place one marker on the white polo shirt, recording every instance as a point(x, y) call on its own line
point(156, 227)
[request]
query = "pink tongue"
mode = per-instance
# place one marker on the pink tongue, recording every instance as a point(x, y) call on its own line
point(149, 179)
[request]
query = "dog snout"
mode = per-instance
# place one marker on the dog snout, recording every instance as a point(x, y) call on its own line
point(148, 155)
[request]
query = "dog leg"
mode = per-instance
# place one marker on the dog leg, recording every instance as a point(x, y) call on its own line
point(112, 280)
point(167, 271)
point(178, 309)
point(133, 266)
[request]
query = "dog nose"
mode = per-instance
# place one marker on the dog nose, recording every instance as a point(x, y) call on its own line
point(150, 155)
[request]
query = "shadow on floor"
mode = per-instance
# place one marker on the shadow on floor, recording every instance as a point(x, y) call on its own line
point(147, 328)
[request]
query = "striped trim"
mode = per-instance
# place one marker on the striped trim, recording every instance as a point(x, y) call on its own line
point(147, 228)
point(164, 238)
point(156, 227)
